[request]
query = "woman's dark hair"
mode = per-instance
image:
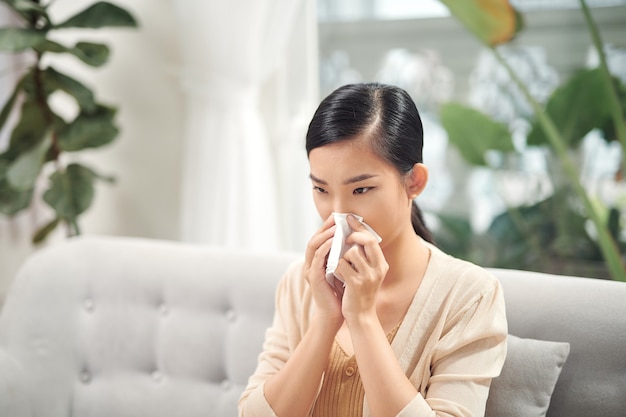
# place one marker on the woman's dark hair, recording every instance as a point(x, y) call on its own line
point(386, 115)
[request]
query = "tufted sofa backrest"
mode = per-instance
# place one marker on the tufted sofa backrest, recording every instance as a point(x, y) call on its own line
point(129, 328)
point(119, 327)
point(590, 315)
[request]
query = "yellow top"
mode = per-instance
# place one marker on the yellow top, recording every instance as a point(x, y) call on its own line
point(342, 390)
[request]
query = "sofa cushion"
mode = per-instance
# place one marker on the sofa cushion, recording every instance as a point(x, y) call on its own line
point(589, 314)
point(101, 327)
point(528, 377)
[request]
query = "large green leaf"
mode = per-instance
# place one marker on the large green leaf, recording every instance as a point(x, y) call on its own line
point(576, 108)
point(94, 54)
point(5, 163)
point(89, 130)
point(474, 133)
point(8, 106)
point(30, 10)
point(11, 201)
point(58, 81)
point(71, 192)
point(29, 130)
point(24, 171)
point(30, 83)
point(548, 229)
point(492, 21)
point(455, 234)
point(51, 46)
point(609, 131)
point(99, 15)
point(27, 6)
point(96, 175)
point(18, 39)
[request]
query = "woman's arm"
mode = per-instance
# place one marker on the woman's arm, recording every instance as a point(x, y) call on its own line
point(291, 376)
point(388, 389)
point(290, 368)
point(462, 363)
point(293, 389)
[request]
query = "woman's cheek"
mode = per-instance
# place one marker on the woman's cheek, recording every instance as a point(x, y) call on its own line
point(321, 206)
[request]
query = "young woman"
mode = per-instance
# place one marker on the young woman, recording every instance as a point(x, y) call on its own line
point(413, 331)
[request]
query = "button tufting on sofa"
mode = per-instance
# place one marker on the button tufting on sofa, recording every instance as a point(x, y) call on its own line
point(231, 316)
point(89, 305)
point(227, 385)
point(177, 330)
point(157, 376)
point(85, 377)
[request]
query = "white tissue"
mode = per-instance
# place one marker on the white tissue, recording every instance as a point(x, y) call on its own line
point(339, 246)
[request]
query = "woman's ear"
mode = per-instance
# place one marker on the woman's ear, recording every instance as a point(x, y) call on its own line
point(416, 180)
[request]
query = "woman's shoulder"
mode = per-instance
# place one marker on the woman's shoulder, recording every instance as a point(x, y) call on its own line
point(293, 296)
point(292, 280)
point(294, 269)
point(457, 286)
point(459, 273)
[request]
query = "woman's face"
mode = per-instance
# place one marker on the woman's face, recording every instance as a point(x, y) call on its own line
point(348, 177)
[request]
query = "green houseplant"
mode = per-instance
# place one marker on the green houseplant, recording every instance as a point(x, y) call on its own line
point(40, 136)
point(551, 232)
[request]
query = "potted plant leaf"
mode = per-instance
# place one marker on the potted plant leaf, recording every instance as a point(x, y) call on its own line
point(551, 233)
point(40, 136)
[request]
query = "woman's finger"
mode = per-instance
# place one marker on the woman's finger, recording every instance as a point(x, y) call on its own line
point(319, 258)
point(326, 231)
point(355, 257)
point(363, 237)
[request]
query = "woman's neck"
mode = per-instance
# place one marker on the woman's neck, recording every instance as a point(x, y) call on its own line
point(407, 257)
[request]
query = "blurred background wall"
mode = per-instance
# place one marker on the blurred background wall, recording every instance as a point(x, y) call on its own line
point(161, 77)
point(171, 110)
point(141, 79)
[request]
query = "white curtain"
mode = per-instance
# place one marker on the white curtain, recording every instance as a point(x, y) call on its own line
point(8, 73)
point(244, 162)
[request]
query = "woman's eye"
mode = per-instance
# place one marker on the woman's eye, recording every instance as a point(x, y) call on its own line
point(362, 190)
point(319, 189)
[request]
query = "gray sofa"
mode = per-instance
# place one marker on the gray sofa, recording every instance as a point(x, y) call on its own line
point(122, 327)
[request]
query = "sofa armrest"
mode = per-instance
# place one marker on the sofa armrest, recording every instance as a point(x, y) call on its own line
point(13, 393)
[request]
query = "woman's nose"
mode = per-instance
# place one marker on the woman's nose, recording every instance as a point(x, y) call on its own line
point(340, 206)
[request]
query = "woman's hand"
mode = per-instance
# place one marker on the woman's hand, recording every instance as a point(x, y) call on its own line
point(327, 301)
point(363, 268)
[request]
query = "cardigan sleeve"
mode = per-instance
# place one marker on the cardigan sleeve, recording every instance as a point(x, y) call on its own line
point(276, 347)
point(470, 352)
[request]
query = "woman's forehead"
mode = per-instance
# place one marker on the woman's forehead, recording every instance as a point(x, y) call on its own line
point(345, 160)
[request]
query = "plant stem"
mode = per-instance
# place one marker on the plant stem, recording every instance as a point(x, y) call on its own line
point(607, 243)
point(74, 227)
point(616, 108)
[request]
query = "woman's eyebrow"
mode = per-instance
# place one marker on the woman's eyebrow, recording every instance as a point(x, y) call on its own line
point(359, 178)
point(315, 179)
point(352, 180)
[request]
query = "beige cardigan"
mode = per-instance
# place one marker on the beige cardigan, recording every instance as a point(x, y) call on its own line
point(451, 343)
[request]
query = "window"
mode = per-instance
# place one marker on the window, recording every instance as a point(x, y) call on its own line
point(420, 47)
